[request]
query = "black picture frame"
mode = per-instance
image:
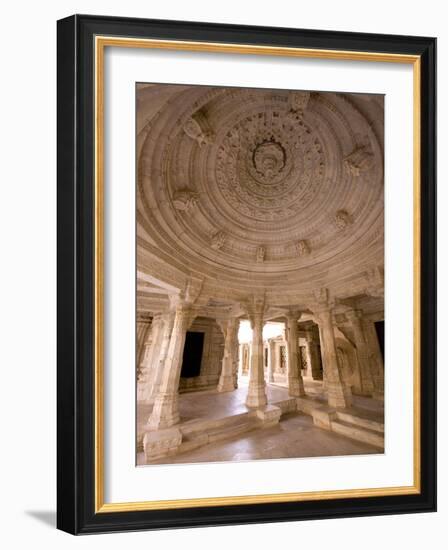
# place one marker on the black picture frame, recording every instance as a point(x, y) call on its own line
point(76, 512)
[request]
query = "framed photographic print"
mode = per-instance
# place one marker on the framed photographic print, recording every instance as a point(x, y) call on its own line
point(246, 274)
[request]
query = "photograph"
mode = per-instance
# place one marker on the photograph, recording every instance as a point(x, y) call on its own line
point(259, 272)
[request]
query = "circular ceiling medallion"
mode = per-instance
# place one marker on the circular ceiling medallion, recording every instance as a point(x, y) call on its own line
point(269, 159)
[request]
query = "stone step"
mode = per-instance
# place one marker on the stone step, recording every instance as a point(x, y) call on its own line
point(201, 425)
point(372, 437)
point(361, 420)
point(287, 405)
point(227, 430)
point(197, 430)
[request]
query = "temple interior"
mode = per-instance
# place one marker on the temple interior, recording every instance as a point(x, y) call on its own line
point(260, 274)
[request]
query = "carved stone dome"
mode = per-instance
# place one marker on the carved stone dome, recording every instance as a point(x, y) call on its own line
point(268, 190)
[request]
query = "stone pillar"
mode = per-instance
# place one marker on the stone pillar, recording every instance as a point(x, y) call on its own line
point(271, 360)
point(150, 360)
point(226, 380)
point(240, 359)
point(376, 358)
point(235, 356)
point(256, 395)
point(165, 336)
point(339, 395)
point(312, 351)
point(295, 380)
point(245, 359)
point(165, 412)
point(143, 329)
point(362, 351)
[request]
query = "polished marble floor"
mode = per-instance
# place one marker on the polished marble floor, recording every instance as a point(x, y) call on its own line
point(294, 437)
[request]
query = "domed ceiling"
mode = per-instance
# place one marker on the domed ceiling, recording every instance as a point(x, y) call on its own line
point(259, 190)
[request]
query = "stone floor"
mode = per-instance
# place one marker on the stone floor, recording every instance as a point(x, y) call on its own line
point(294, 436)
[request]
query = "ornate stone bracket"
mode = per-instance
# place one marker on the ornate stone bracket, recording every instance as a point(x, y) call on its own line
point(193, 290)
point(185, 200)
point(218, 240)
point(254, 307)
point(374, 277)
point(299, 101)
point(342, 219)
point(302, 248)
point(261, 253)
point(359, 160)
point(198, 129)
point(321, 300)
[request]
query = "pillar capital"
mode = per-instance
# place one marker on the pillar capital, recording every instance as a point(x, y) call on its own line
point(354, 314)
point(292, 316)
point(323, 314)
point(374, 280)
point(255, 308)
point(184, 315)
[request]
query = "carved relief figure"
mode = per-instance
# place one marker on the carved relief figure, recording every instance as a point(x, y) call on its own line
point(360, 160)
point(218, 240)
point(261, 252)
point(302, 248)
point(184, 200)
point(342, 219)
point(198, 129)
point(299, 101)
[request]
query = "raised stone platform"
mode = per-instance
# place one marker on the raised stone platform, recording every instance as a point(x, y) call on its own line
point(194, 434)
point(209, 417)
point(357, 422)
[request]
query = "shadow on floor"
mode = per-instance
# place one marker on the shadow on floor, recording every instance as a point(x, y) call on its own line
point(48, 517)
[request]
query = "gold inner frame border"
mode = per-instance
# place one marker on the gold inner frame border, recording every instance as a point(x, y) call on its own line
point(101, 42)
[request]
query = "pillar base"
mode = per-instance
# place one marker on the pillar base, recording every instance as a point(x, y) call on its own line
point(339, 396)
point(165, 412)
point(226, 383)
point(256, 397)
point(269, 415)
point(296, 388)
point(160, 443)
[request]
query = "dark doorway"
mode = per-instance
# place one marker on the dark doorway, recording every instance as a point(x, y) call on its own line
point(379, 327)
point(191, 362)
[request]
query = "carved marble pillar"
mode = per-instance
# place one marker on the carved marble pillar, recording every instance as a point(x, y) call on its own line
point(256, 395)
point(226, 380)
point(165, 336)
point(150, 360)
point(362, 352)
point(312, 351)
point(240, 359)
point(143, 329)
point(165, 412)
point(271, 359)
point(235, 357)
point(376, 358)
point(339, 395)
point(295, 380)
